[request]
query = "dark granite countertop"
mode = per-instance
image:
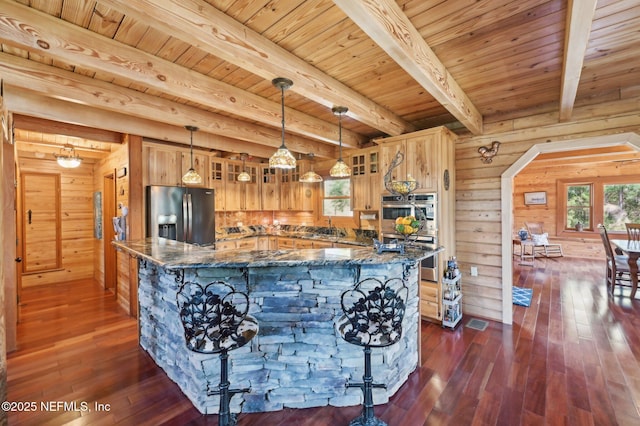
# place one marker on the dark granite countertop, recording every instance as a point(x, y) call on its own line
point(355, 237)
point(170, 254)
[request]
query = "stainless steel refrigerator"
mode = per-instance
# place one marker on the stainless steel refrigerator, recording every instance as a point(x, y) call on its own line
point(182, 214)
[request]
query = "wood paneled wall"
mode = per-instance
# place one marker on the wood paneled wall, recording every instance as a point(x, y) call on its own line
point(4, 252)
point(77, 221)
point(117, 160)
point(543, 176)
point(478, 189)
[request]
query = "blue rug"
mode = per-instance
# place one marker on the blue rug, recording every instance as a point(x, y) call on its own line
point(522, 296)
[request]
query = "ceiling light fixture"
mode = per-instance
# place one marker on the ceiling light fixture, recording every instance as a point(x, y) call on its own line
point(191, 177)
point(282, 159)
point(310, 176)
point(340, 169)
point(244, 176)
point(68, 157)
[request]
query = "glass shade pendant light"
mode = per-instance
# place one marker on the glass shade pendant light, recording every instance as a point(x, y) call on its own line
point(310, 176)
point(244, 176)
point(282, 159)
point(340, 169)
point(68, 157)
point(191, 177)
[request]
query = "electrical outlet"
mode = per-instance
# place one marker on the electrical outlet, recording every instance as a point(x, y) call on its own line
point(474, 271)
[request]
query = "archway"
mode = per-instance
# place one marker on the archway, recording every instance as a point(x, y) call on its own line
point(506, 195)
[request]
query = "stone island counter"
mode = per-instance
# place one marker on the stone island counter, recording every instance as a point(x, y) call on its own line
point(298, 359)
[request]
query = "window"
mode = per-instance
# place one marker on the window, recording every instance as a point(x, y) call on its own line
point(579, 202)
point(621, 205)
point(612, 201)
point(337, 198)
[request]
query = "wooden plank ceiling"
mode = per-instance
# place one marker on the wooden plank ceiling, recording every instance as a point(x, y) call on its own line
point(153, 66)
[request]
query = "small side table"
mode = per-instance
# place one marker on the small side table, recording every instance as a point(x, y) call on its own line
point(526, 258)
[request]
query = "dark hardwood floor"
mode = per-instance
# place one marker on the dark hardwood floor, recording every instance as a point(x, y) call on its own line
point(571, 358)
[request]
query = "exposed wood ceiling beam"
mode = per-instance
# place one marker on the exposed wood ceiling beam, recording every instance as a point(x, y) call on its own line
point(213, 31)
point(389, 27)
point(30, 29)
point(66, 85)
point(579, 19)
point(43, 126)
point(22, 101)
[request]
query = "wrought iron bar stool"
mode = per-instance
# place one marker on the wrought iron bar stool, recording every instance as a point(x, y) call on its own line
point(373, 313)
point(215, 321)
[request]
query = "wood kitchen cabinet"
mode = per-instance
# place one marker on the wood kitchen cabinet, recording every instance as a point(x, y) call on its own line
point(285, 243)
point(270, 180)
point(162, 165)
point(165, 165)
point(242, 195)
point(250, 243)
point(200, 165)
point(365, 179)
point(430, 159)
point(418, 161)
point(245, 244)
point(296, 195)
point(217, 181)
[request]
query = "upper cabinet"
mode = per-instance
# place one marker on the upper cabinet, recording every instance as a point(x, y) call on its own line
point(242, 195)
point(200, 165)
point(217, 180)
point(427, 154)
point(270, 180)
point(162, 164)
point(296, 195)
point(268, 189)
point(365, 179)
point(165, 165)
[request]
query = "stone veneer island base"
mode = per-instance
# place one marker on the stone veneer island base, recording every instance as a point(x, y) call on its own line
point(297, 360)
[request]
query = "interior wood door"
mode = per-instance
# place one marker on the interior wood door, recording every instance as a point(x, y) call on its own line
point(109, 210)
point(41, 219)
point(10, 270)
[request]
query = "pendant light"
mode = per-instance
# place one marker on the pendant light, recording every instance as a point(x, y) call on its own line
point(340, 169)
point(244, 176)
point(191, 177)
point(310, 176)
point(68, 157)
point(282, 159)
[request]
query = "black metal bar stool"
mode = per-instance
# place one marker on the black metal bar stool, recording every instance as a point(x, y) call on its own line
point(373, 314)
point(215, 321)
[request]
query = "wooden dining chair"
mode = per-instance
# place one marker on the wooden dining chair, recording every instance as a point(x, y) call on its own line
point(617, 265)
point(633, 231)
point(540, 239)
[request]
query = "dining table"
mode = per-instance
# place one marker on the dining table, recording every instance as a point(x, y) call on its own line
point(631, 248)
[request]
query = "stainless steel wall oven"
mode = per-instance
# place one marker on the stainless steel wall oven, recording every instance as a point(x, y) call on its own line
point(426, 238)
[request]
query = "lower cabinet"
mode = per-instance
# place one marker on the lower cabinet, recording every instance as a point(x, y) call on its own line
point(276, 243)
point(286, 243)
point(250, 243)
point(225, 245)
point(430, 300)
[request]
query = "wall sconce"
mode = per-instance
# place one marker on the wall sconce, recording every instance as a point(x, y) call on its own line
point(487, 153)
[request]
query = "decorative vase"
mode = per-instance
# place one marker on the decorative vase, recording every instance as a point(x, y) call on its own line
point(579, 227)
point(522, 233)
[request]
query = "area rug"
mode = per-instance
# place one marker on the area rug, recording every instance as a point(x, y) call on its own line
point(522, 296)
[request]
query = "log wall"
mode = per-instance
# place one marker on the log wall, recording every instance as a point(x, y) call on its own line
point(478, 189)
point(118, 159)
point(77, 221)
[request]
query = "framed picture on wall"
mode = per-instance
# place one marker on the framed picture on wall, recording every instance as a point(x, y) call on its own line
point(533, 198)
